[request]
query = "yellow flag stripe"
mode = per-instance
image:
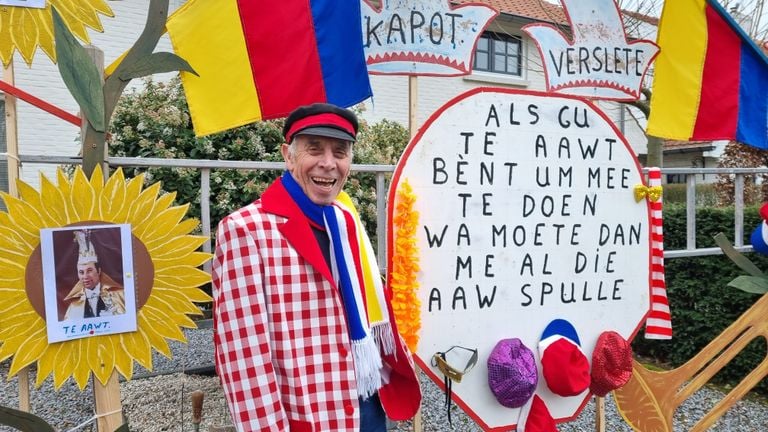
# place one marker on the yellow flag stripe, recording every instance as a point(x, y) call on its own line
point(225, 92)
point(679, 69)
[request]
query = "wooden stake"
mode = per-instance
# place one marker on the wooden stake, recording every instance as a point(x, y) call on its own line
point(413, 93)
point(109, 409)
point(11, 134)
point(599, 414)
point(24, 396)
point(12, 151)
point(413, 96)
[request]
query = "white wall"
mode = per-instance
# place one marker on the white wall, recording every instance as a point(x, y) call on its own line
point(40, 133)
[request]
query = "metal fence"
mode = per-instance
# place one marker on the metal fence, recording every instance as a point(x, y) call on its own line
point(205, 168)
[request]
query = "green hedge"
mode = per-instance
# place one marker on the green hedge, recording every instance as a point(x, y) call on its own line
point(701, 302)
point(676, 193)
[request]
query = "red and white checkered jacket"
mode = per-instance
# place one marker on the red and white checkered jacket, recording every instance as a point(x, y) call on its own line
point(282, 347)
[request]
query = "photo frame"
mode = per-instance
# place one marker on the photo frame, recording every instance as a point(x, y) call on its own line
point(88, 281)
point(37, 4)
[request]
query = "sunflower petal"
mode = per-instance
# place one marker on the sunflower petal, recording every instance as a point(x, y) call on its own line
point(26, 33)
point(174, 300)
point(160, 322)
point(137, 346)
point(83, 197)
point(193, 259)
point(55, 205)
point(29, 350)
point(64, 364)
point(123, 362)
point(132, 191)
point(68, 12)
point(161, 222)
point(63, 182)
point(179, 245)
point(112, 198)
point(142, 206)
point(46, 363)
point(196, 295)
point(156, 340)
point(6, 44)
point(101, 357)
point(82, 370)
point(183, 228)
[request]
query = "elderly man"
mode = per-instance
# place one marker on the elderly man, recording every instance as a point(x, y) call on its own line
point(304, 335)
point(95, 294)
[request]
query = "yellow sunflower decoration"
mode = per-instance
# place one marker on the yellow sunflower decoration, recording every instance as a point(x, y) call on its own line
point(26, 28)
point(167, 286)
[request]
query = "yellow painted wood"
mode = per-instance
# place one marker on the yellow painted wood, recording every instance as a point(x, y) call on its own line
point(648, 402)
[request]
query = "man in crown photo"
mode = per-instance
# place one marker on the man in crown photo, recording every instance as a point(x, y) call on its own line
point(95, 294)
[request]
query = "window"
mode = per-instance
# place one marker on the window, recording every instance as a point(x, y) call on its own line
point(499, 53)
point(677, 178)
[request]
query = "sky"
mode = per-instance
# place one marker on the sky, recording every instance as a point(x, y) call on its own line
point(754, 8)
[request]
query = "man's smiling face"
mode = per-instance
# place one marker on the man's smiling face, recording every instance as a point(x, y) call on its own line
point(320, 165)
point(88, 274)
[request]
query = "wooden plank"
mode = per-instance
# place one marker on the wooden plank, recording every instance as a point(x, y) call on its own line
point(413, 104)
point(12, 150)
point(599, 414)
point(109, 409)
point(11, 133)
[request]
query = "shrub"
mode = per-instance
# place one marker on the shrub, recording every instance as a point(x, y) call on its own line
point(676, 193)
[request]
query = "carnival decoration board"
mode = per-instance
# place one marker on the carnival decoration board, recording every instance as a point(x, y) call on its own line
point(533, 253)
point(428, 37)
point(596, 59)
point(149, 281)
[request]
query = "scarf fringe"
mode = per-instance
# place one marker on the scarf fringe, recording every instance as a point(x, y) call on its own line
point(384, 336)
point(367, 366)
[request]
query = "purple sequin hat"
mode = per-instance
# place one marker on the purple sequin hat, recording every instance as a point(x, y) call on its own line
point(512, 374)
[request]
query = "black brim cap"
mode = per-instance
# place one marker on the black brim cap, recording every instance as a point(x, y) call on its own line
point(321, 119)
point(325, 131)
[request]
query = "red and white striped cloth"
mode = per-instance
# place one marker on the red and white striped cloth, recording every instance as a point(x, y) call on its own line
point(658, 324)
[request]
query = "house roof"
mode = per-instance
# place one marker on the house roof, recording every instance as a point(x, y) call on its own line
point(537, 10)
point(540, 10)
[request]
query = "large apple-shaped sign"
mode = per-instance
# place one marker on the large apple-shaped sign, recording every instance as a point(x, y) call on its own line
point(526, 215)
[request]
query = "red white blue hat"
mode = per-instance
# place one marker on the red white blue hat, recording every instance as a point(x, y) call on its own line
point(563, 364)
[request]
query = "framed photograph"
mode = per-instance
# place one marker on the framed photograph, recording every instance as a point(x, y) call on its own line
point(88, 281)
point(38, 4)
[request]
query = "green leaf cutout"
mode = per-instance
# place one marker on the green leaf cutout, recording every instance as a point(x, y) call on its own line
point(156, 63)
point(23, 421)
point(79, 73)
point(751, 284)
point(740, 260)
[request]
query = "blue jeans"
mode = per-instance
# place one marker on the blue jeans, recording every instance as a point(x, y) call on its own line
point(372, 417)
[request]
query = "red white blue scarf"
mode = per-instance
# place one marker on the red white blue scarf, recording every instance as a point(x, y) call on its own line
point(353, 265)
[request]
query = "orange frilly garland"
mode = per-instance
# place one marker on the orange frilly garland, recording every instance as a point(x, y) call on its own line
point(405, 267)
